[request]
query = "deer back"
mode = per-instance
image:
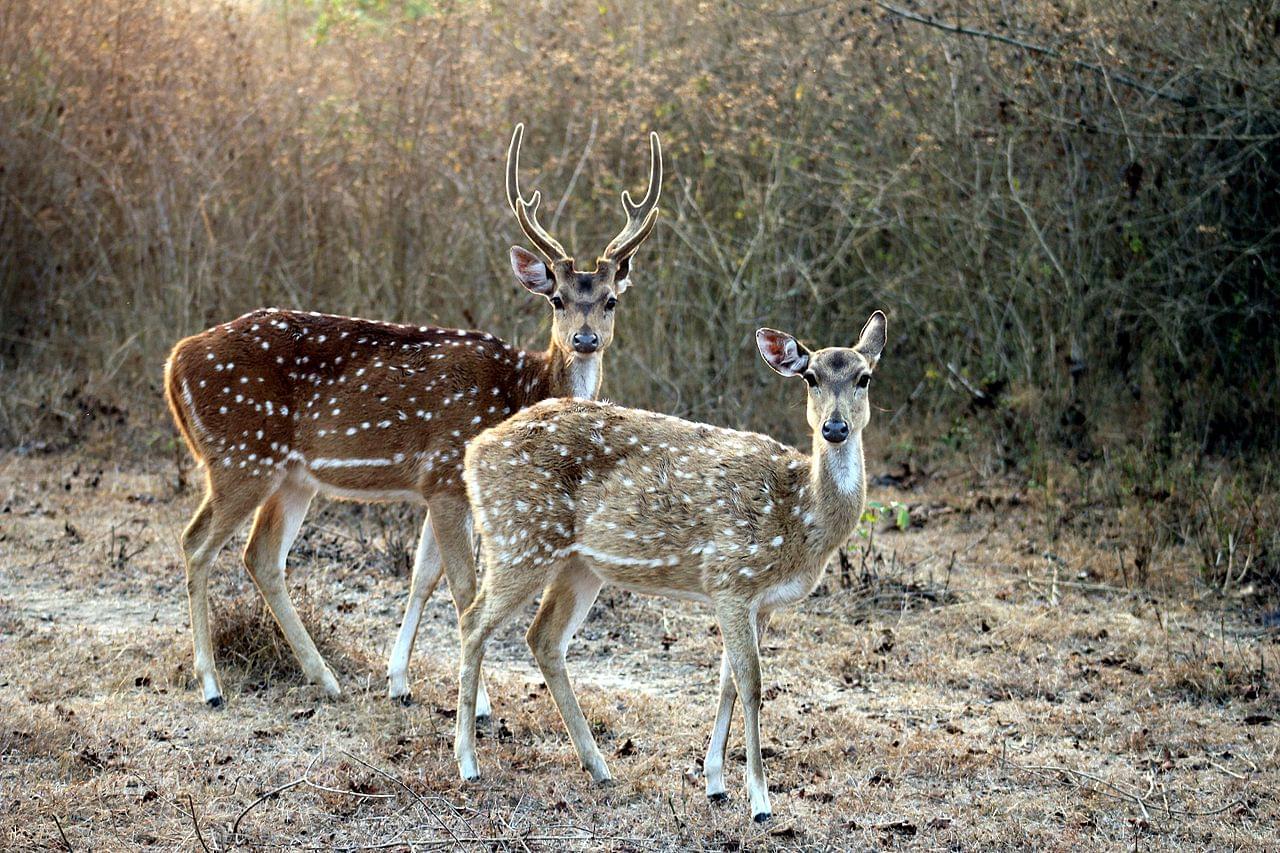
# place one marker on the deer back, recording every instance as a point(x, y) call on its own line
point(655, 503)
point(362, 406)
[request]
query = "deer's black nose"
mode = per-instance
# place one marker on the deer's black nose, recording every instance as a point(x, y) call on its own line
point(835, 431)
point(586, 342)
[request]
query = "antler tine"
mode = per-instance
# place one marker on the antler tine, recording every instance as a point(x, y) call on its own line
point(640, 217)
point(526, 211)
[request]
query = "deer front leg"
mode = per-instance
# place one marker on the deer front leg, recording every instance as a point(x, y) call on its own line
point(565, 604)
point(493, 606)
point(737, 627)
point(713, 764)
point(451, 522)
point(427, 568)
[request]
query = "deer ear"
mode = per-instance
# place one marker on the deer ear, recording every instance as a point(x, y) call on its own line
point(622, 278)
point(782, 352)
point(871, 342)
point(531, 271)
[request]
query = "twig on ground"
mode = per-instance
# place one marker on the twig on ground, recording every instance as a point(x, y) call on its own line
point(235, 827)
point(1229, 772)
point(583, 836)
point(305, 779)
point(191, 805)
point(421, 800)
point(1119, 792)
point(61, 833)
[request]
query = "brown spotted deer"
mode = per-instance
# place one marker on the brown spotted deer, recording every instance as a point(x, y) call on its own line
point(571, 494)
point(279, 405)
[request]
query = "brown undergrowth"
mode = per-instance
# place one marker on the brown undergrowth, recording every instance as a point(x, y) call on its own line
point(980, 678)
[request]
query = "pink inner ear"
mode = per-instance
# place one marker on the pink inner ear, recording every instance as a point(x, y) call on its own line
point(529, 268)
point(531, 271)
point(775, 347)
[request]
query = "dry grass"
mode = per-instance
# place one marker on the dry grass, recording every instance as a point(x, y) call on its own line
point(246, 636)
point(972, 682)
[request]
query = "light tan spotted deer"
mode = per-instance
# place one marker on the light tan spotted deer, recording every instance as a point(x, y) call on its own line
point(571, 494)
point(279, 405)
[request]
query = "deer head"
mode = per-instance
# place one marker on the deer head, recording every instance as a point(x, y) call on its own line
point(838, 377)
point(582, 302)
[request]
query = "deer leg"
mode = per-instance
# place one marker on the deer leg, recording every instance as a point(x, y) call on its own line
point(491, 608)
point(210, 528)
point(565, 604)
point(451, 521)
point(427, 567)
point(274, 529)
point(738, 630)
point(713, 764)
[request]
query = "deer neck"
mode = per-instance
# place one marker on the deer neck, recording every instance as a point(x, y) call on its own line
point(556, 373)
point(837, 486)
point(572, 375)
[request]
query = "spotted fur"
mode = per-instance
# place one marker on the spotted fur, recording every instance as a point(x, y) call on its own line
point(280, 405)
point(571, 494)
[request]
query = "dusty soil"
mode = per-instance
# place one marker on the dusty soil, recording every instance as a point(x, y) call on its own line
point(981, 680)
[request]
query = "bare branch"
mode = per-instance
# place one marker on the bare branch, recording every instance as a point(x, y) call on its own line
point(1124, 79)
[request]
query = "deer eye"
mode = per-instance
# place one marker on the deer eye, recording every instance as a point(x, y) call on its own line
point(810, 378)
point(557, 303)
point(864, 380)
point(611, 303)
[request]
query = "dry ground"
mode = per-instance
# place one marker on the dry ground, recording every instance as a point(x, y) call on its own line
point(976, 682)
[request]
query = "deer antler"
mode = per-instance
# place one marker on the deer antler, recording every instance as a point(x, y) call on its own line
point(526, 211)
point(640, 217)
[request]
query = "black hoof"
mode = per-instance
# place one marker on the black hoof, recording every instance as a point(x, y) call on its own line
point(215, 702)
point(482, 721)
point(406, 700)
point(718, 798)
point(475, 778)
point(763, 817)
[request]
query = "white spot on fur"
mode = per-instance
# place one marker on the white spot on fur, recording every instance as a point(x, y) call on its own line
point(348, 463)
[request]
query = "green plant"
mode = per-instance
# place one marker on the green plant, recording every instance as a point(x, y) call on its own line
point(876, 511)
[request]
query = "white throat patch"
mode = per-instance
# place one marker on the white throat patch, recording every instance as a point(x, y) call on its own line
point(584, 377)
point(844, 462)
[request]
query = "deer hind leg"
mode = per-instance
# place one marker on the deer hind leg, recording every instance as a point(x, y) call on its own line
point(492, 607)
point(713, 764)
point(565, 604)
point(274, 529)
point(452, 524)
point(737, 627)
point(427, 568)
point(213, 524)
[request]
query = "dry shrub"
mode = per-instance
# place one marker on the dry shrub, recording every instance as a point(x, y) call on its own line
point(1235, 526)
point(374, 538)
point(67, 744)
point(36, 730)
point(248, 642)
point(1049, 234)
point(1219, 676)
point(1227, 516)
